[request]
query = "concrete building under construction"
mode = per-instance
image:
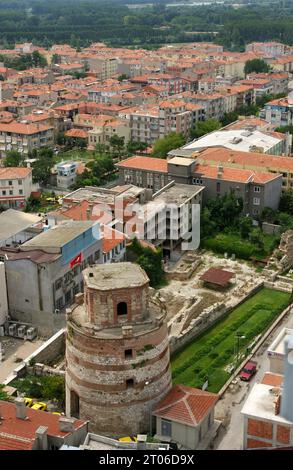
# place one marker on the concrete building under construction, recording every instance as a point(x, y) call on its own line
point(118, 359)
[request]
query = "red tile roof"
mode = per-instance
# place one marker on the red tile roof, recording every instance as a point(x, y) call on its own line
point(26, 428)
point(217, 276)
point(145, 163)
point(80, 133)
point(247, 159)
point(14, 172)
point(9, 442)
point(235, 174)
point(186, 405)
point(111, 238)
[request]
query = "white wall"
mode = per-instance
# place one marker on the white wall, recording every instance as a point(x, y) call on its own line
point(3, 295)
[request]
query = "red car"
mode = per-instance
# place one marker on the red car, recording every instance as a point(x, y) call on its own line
point(248, 371)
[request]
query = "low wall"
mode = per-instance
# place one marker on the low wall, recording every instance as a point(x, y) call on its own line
point(47, 353)
point(271, 229)
point(212, 317)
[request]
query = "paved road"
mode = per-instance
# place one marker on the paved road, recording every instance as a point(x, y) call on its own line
point(231, 404)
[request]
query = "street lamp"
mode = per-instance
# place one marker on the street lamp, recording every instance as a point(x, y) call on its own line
point(238, 337)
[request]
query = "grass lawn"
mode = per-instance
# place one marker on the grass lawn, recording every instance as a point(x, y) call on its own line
point(74, 154)
point(210, 353)
point(233, 243)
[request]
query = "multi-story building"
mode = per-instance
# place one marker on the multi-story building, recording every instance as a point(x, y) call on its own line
point(268, 412)
point(249, 160)
point(243, 140)
point(16, 187)
point(279, 112)
point(24, 137)
point(258, 189)
point(45, 272)
point(268, 49)
point(66, 174)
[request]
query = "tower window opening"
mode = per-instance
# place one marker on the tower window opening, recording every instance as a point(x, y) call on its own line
point(129, 383)
point(122, 309)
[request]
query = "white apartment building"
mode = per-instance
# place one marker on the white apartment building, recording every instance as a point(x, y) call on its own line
point(16, 186)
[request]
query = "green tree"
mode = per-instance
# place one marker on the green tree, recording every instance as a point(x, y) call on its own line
point(133, 147)
point(286, 202)
point(117, 145)
point(42, 166)
point(204, 127)
point(245, 226)
point(166, 144)
point(3, 395)
point(269, 215)
point(13, 159)
point(256, 65)
point(228, 118)
point(207, 225)
point(256, 238)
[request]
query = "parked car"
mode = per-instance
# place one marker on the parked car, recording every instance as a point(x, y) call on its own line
point(128, 439)
point(248, 371)
point(28, 402)
point(40, 406)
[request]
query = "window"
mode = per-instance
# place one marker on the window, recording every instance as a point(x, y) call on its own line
point(128, 353)
point(10, 183)
point(166, 428)
point(121, 309)
point(59, 303)
point(3, 193)
point(256, 189)
point(58, 284)
point(20, 182)
point(218, 187)
point(20, 191)
point(97, 255)
point(256, 201)
point(68, 297)
point(129, 383)
point(10, 192)
point(74, 404)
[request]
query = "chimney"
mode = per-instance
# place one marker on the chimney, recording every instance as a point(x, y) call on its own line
point(42, 437)
point(278, 405)
point(287, 393)
point(141, 442)
point(66, 424)
point(220, 170)
point(20, 408)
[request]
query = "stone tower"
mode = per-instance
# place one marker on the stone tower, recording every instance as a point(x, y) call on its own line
point(117, 351)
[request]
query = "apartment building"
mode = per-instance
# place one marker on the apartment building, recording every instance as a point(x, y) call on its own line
point(268, 49)
point(258, 189)
point(279, 112)
point(16, 187)
point(249, 140)
point(213, 104)
point(170, 218)
point(24, 137)
point(46, 272)
point(251, 161)
point(103, 67)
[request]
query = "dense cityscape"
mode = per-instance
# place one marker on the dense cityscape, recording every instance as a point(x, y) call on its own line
point(146, 227)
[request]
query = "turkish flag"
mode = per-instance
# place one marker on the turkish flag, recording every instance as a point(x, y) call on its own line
point(76, 260)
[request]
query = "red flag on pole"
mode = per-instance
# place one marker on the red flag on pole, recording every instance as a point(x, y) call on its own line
point(76, 260)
